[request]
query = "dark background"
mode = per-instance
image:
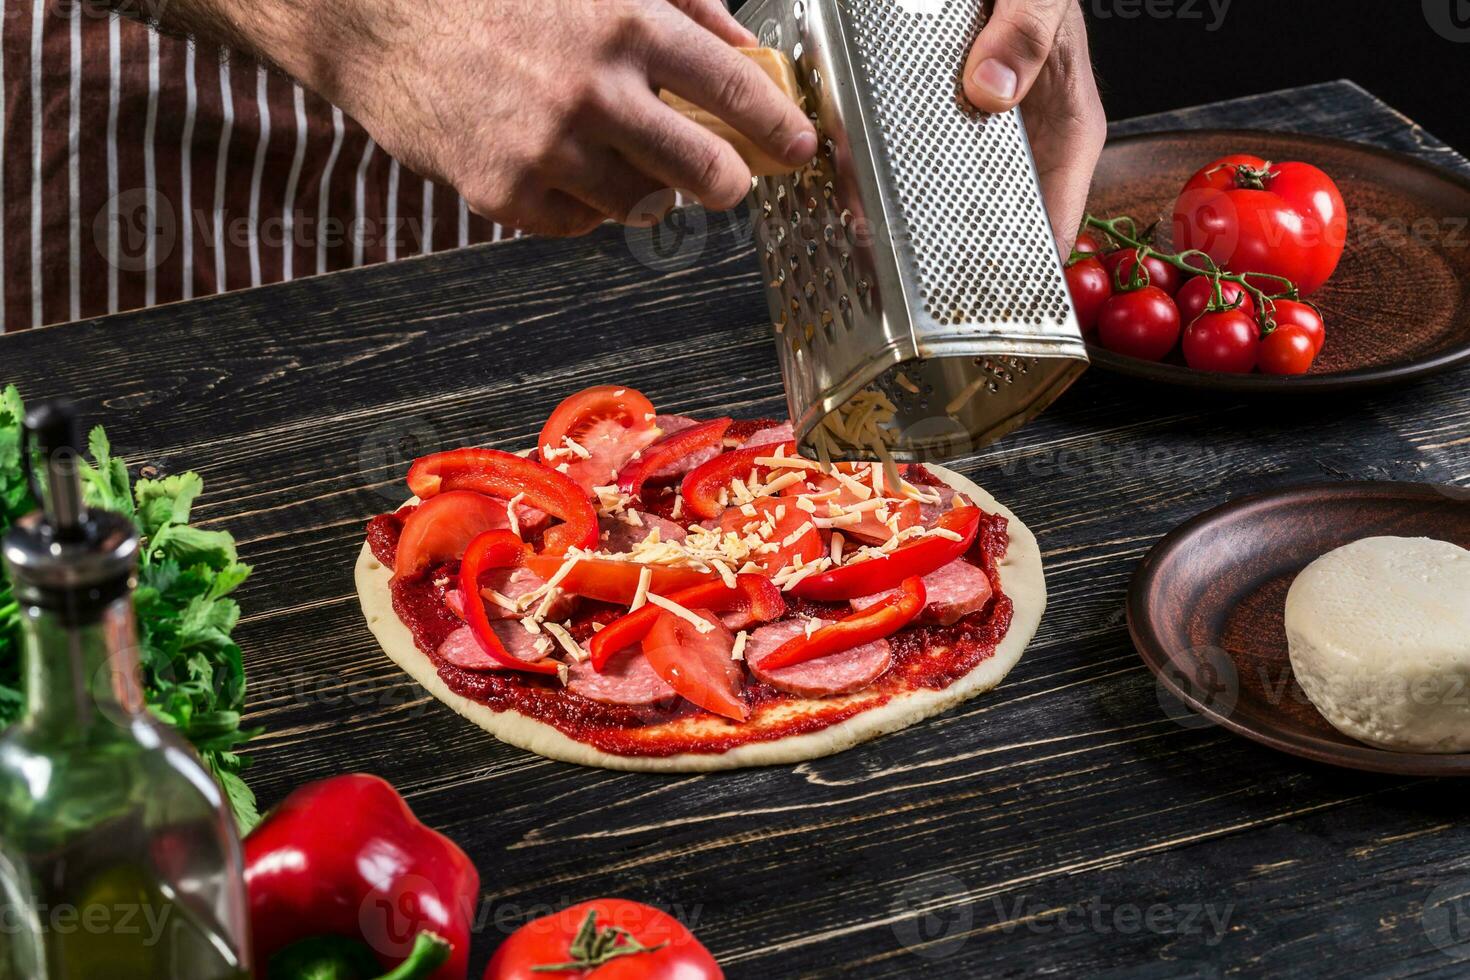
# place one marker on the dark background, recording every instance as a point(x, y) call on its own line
point(1152, 63)
point(1153, 55)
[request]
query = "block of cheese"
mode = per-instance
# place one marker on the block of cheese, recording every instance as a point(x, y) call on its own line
point(1379, 635)
point(781, 71)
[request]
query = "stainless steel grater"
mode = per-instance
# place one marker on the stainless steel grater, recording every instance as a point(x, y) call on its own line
point(913, 256)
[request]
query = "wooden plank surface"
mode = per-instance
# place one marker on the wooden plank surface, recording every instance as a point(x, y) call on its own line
point(1065, 823)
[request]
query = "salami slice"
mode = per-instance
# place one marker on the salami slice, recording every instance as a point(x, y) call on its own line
point(513, 583)
point(627, 678)
point(954, 591)
point(838, 673)
point(463, 650)
point(930, 513)
point(771, 434)
point(669, 424)
point(617, 536)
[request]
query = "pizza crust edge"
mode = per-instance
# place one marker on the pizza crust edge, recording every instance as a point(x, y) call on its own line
point(1022, 579)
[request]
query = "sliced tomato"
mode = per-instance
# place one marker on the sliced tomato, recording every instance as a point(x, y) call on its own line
point(505, 475)
point(610, 422)
point(754, 595)
point(917, 558)
point(702, 487)
point(791, 541)
point(879, 620)
point(442, 527)
point(696, 663)
point(665, 456)
point(616, 581)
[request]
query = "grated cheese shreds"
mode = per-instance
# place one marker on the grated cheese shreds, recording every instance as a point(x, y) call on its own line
point(738, 651)
point(698, 622)
point(790, 462)
point(958, 402)
point(634, 518)
point(510, 513)
point(782, 482)
point(531, 625)
point(567, 643)
point(837, 543)
point(640, 595)
point(503, 601)
point(543, 645)
point(678, 506)
point(577, 448)
point(726, 575)
point(562, 673)
point(551, 596)
point(905, 383)
point(945, 533)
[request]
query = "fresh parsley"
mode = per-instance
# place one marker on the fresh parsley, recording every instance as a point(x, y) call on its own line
point(193, 673)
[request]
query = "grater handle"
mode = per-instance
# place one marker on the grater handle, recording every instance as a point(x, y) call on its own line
point(781, 71)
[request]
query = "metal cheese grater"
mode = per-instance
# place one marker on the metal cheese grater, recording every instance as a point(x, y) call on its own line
point(913, 256)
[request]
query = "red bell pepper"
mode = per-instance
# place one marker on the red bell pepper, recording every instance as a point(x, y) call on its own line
point(493, 549)
point(917, 558)
point(873, 623)
point(680, 445)
point(701, 487)
point(613, 580)
point(755, 595)
point(342, 875)
point(504, 475)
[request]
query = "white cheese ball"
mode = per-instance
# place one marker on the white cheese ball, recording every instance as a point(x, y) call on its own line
point(1380, 642)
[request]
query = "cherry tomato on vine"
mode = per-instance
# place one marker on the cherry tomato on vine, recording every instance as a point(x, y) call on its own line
point(1091, 287)
point(1088, 244)
point(1286, 350)
point(1143, 323)
point(1227, 342)
point(1284, 219)
point(1196, 294)
point(1304, 315)
point(1161, 274)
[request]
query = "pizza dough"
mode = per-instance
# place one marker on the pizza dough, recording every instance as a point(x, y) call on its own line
point(1021, 579)
point(1379, 633)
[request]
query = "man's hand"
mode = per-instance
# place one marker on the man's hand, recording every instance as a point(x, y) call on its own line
point(543, 114)
point(1033, 53)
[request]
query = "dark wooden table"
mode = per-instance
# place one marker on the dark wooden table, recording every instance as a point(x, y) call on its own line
point(1064, 824)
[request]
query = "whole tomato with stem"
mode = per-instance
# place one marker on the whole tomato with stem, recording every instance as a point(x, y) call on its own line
point(1196, 294)
point(1254, 216)
point(1304, 316)
point(1091, 286)
point(1286, 350)
point(1142, 323)
point(1161, 274)
point(604, 939)
point(1228, 342)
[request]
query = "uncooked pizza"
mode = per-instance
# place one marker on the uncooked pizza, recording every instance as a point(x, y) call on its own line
point(657, 592)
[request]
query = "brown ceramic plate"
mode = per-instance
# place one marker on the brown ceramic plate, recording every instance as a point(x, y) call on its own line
point(1207, 608)
point(1399, 305)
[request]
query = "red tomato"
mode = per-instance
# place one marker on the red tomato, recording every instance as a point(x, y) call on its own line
point(1196, 294)
point(1226, 342)
point(808, 545)
point(1088, 244)
point(442, 527)
point(1285, 219)
point(1161, 274)
point(1287, 350)
point(547, 941)
point(697, 664)
point(610, 422)
point(1090, 286)
point(1143, 323)
point(1304, 316)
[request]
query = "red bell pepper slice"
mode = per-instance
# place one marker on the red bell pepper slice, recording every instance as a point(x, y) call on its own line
point(442, 527)
point(917, 558)
point(678, 446)
point(873, 623)
point(697, 664)
point(345, 860)
point(610, 580)
point(755, 595)
point(493, 549)
point(501, 474)
point(701, 487)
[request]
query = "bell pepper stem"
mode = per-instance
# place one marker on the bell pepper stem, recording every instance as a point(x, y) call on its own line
point(428, 954)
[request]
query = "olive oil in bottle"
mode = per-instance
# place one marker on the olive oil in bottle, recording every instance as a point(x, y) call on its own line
point(118, 854)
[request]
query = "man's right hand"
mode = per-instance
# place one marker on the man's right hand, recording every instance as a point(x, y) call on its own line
point(543, 114)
